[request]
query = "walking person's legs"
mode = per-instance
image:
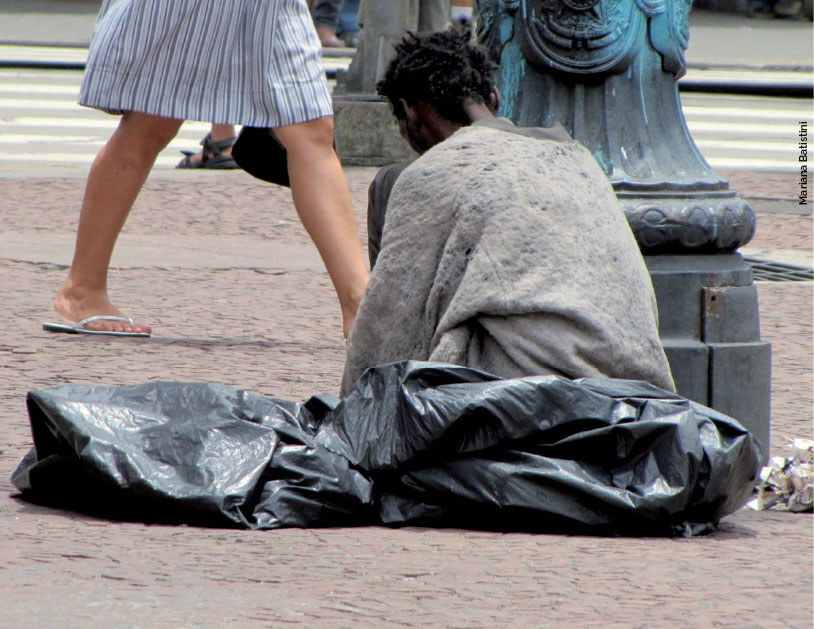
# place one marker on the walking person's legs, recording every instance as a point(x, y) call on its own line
point(115, 180)
point(324, 205)
point(326, 20)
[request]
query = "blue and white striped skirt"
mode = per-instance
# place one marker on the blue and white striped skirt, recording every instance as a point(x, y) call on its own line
point(251, 62)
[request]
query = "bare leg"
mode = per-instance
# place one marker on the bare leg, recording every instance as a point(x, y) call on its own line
point(328, 38)
point(116, 177)
point(323, 202)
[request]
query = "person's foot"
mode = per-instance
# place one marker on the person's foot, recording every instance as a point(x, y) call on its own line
point(760, 10)
point(198, 157)
point(76, 305)
point(215, 154)
point(328, 38)
point(792, 9)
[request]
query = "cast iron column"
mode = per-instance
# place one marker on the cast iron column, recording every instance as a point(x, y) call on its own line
point(607, 71)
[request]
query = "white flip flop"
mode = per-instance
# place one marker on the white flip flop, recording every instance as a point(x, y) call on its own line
point(79, 327)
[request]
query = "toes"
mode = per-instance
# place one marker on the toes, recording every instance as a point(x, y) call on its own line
point(118, 326)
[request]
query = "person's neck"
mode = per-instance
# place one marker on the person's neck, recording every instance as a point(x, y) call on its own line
point(477, 111)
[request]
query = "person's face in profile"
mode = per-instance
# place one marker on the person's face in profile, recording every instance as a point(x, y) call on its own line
point(422, 126)
point(415, 132)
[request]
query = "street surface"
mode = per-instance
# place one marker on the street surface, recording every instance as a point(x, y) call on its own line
point(43, 129)
point(218, 263)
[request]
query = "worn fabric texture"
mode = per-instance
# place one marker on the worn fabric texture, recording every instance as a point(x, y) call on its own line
point(512, 255)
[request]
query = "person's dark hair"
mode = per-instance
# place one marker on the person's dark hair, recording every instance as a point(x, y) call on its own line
point(441, 69)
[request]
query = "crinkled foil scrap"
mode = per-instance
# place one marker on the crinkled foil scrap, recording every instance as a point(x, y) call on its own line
point(787, 484)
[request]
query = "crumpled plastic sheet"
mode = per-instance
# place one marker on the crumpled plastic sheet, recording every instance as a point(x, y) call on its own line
point(412, 443)
point(787, 483)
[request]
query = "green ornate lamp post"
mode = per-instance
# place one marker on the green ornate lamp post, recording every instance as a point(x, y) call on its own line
point(607, 71)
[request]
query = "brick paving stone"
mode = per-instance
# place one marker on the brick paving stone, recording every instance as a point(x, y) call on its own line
point(770, 184)
point(276, 333)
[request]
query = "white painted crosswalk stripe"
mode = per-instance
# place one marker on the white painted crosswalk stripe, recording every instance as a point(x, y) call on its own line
point(28, 88)
point(105, 122)
point(7, 103)
point(83, 159)
point(745, 146)
point(65, 54)
point(747, 132)
point(21, 139)
point(692, 111)
point(743, 130)
point(9, 54)
point(41, 124)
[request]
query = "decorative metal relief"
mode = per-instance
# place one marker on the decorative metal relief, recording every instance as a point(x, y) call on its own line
point(490, 14)
point(687, 225)
point(670, 34)
point(582, 37)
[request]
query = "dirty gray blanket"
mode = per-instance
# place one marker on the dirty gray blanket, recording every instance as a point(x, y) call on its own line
point(511, 255)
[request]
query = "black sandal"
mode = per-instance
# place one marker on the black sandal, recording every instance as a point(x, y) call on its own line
point(213, 156)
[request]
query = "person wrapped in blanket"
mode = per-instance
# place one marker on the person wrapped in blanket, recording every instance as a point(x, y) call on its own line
point(502, 248)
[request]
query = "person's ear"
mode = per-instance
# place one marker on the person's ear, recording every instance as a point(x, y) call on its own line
point(410, 114)
point(494, 99)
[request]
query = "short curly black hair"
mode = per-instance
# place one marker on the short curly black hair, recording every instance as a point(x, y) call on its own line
point(441, 69)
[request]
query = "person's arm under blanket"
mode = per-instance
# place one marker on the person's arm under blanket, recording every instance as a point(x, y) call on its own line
point(378, 194)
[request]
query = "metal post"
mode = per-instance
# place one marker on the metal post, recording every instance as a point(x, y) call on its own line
point(607, 71)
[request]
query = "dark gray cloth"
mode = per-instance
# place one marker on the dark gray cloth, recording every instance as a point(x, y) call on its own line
point(326, 13)
point(341, 16)
point(377, 196)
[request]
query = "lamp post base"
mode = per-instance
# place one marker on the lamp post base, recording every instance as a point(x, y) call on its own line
point(710, 330)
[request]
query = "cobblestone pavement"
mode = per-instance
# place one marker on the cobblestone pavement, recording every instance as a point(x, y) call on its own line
point(219, 265)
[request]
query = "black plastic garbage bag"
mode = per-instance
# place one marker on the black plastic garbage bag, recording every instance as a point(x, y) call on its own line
point(411, 443)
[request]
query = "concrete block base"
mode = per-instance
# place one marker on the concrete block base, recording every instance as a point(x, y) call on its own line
point(708, 321)
point(367, 133)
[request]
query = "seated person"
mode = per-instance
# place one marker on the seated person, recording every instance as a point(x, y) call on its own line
point(504, 248)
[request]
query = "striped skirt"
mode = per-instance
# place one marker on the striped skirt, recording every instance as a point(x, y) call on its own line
point(251, 62)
